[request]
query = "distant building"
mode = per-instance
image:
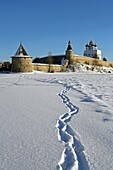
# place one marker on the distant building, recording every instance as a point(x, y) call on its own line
point(21, 62)
point(92, 51)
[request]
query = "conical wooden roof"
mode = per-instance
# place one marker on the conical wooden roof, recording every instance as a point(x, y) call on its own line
point(21, 51)
point(69, 47)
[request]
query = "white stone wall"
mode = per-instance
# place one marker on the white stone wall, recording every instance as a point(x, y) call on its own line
point(92, 53)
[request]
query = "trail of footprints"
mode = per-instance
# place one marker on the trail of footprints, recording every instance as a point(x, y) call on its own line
point(72, 157)
point(66, 135)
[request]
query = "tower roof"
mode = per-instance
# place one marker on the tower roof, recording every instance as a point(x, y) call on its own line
point(92, 44)
point(69, 47)
point(21, 51)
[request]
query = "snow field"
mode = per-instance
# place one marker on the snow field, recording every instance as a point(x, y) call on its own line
point(56, 121)
point(94, 122)
point(28, 137)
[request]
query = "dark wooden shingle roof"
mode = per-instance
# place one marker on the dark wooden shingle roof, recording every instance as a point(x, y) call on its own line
point(21, 50)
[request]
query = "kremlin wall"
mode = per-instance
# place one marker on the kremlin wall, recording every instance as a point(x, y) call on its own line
point(22, 62)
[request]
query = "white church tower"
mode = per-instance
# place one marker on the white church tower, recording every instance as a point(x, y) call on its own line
point(92, 51)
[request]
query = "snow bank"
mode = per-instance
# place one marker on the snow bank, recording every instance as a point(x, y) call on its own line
point(77, 67)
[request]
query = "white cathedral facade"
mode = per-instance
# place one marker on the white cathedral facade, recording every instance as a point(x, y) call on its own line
point(92, 51)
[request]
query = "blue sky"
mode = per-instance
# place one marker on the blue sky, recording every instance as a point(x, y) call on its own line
point(47, 25)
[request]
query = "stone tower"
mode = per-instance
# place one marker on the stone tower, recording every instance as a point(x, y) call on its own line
point(69, 53)
point(21, 62)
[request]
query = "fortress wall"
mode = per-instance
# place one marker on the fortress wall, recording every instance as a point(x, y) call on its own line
point(47, 67)
point(91, 61)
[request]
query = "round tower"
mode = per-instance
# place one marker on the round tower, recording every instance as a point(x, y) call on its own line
point(21, 62)
point(69, 53)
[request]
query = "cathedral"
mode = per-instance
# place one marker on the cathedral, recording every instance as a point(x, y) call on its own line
point(92, 51)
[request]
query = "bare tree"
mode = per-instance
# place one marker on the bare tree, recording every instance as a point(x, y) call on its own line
point(49, 61)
